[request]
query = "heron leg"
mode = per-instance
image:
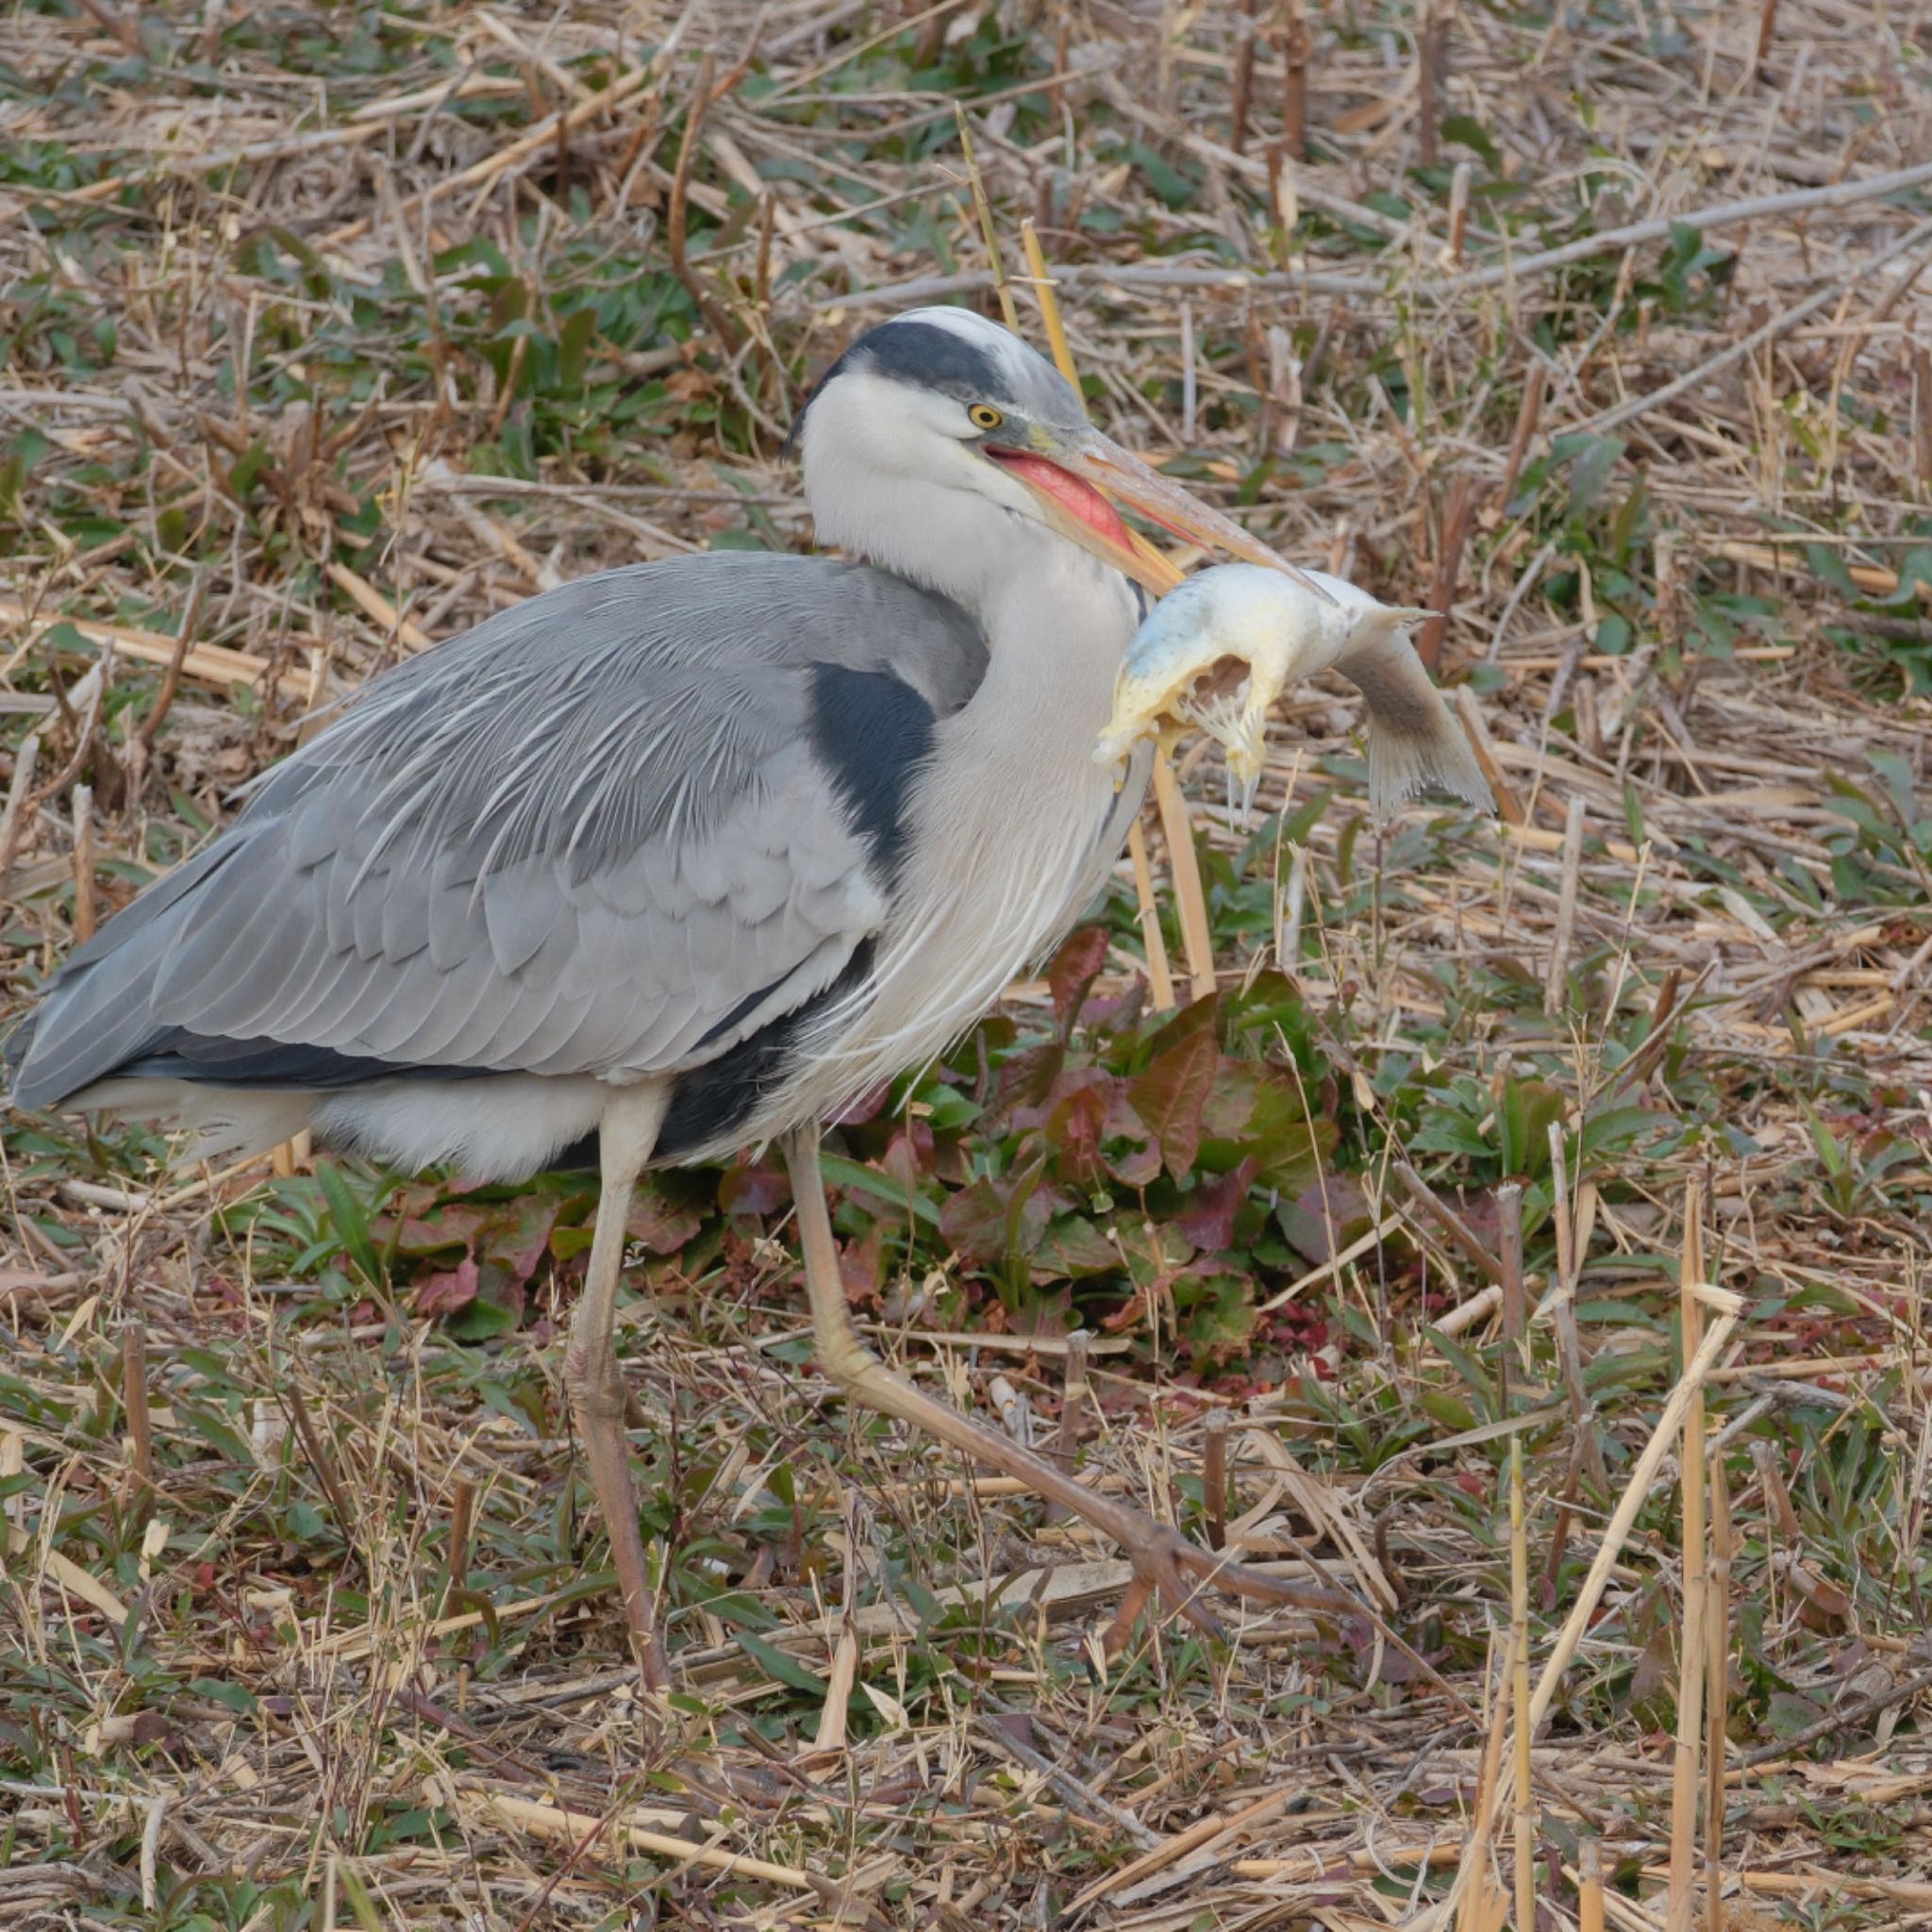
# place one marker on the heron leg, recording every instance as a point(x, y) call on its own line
point(626, 1134)
point(1164, 1559)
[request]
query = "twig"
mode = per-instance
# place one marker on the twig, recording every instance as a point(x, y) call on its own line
point(1778, 325)
point(83, 816)
point(1526, 1832)
point(178, 658)
point(1196, 933)
point(320, 1461)
point(19, 788)
point(1452, 1223)
point(141, 1435)
point(1616, 1534)
point(1606, 241)
point(1557, 985)
point(124, 29)
point(1685, 1809)
point(1214, 1478)
point(1717, 1695)
point(1297, 49)
point(1465, 496)
point(1431, 71)
point(1854, 1712)
point(720, 324)
point(1083, 1798)
point(983, 209)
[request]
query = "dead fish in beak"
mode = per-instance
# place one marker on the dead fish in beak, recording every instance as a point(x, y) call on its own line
point(1216, 653)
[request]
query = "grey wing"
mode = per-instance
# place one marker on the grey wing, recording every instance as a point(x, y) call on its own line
point(614, 831)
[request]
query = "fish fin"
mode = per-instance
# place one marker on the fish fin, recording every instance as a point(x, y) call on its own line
point(1415, 743)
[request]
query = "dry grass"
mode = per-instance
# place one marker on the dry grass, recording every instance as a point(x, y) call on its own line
point(300, 1627)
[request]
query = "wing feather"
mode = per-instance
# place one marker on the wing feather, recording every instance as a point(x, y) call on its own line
point(592, 837)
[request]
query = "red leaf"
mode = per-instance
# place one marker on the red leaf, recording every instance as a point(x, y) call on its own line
point(986, 1225)
point(860, 1268)
point(1083, 1099)
point(909, 1154)
point(445, 1293)
point(1025, 1082)
point(1325, 1217)
point(518, 1232)
point(748, 1189)
point(1074, 968)
point(860, 1108)
point(1207, 1220)
point(1169, 1097)
point(659, 1227)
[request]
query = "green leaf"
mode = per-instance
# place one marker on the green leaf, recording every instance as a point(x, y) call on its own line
point(1591, 471)
point(781, 1667)
point(1471, 133)
point(235, 1697)
point(1172, 187)
point(351, 1224)
point(1611, 1129)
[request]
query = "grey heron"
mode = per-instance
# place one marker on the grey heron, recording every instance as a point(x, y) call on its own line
point(681, 857)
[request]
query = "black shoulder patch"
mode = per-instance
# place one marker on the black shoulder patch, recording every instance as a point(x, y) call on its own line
point(874, 732)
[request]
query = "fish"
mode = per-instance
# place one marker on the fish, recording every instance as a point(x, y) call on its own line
point(1217, 651)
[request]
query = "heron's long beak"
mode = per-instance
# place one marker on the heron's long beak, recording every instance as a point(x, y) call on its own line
point(1080, 477)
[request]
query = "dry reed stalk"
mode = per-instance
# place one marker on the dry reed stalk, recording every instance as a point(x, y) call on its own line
point(141, 748)
point(1240, 95)
point(1529, 416)
point(983, 209)
point(1525, 1832)
point(141, 1435)
point(1477, 1887)
point(1507, 807)
point(1197, 936)
point(1510, 1255)
point(1459, 183)
point(1431, 72)
point(1297, 50)
point(1589, 1886)
point(1154, 943)
point(1076, 1403)
point(1571, 1243)
point(26, 758)
point(1160, 978)
point(83, 814)
point(462, 1519)
point(371, 601)
point(1616, 1533)
point(1557, 985)
point(1214, 1478)
point(211, 664)
point(1717, 1695)
point(1465, 498)
point(553, 1822)
point(1922, 413)
point(1685, 1808)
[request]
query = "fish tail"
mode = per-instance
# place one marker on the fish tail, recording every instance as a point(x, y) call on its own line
point(1415, 743)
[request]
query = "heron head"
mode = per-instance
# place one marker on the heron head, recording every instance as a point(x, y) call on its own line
point(944, 397)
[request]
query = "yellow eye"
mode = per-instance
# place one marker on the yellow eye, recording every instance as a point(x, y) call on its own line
point(984, 416)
